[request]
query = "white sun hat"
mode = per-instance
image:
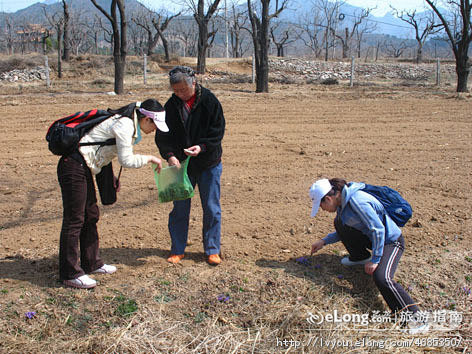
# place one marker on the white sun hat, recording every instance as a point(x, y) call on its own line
point(317, 191)
point(159, 119)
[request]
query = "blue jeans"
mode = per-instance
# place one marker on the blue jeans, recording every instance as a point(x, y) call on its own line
point(209, 187)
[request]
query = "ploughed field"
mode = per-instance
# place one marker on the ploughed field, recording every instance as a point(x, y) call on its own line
point(416, 140)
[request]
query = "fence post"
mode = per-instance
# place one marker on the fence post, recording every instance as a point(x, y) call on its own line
point(46, 64)
point(351, 82)
point(253, 68)
point(145, 69)
point(438, 72)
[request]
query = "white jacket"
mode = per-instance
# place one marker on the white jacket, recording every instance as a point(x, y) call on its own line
point(123, 129)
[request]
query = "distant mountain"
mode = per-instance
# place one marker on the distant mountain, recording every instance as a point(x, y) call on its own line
point(35, 12)
point(388, 24)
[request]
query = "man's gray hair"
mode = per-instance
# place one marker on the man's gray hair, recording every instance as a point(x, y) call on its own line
point(182, 73)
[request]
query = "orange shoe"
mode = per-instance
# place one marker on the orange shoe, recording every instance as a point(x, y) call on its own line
point(214, 259)
point(175, 258)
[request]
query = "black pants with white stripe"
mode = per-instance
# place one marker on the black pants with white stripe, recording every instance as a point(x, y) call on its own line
point(358, 244)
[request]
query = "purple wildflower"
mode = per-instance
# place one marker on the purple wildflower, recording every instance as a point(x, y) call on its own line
point(223, 298)
point(29, 315)
point(303, 260)
point(466, 290)
point(340, 276)
point(318, 266)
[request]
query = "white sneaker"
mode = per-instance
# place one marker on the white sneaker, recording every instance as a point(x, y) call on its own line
point(347, 262)
point(105, 269)
point(82, 282)
point(417, 327)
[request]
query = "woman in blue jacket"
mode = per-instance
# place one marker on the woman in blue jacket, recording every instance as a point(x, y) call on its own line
point(362, 224)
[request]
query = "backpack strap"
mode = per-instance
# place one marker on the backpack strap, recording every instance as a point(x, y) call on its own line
point(111, 141)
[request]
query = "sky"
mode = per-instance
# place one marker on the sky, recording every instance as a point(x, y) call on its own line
point(382, 5)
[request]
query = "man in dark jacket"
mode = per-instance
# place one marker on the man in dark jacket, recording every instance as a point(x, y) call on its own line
point(196, 128)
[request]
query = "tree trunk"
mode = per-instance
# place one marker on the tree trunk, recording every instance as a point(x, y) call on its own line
point(150, 44)
point(165, 45)
point(202, 47)
point(262, 68)
point(280, 51)
point(59, 52)
point(346, 43)
point(326, 44)
point(66, 54)
point(120, 64)
point(462, 70)
point(419, 54)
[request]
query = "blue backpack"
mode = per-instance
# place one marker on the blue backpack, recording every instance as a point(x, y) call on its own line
point(396, 207)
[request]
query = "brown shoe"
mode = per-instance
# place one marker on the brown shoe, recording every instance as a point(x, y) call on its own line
point(214, 259)
point(175, 258)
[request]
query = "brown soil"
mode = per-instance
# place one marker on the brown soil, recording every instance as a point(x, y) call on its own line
point(417, 141)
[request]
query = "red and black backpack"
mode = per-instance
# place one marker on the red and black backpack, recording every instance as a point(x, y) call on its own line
point(64, 134)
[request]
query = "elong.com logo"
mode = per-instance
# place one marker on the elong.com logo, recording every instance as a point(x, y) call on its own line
point(334, 317)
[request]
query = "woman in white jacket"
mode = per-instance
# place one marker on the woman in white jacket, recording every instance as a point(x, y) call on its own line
point(75, 174)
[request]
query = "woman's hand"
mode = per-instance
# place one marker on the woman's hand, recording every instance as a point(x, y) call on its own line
point(317, 246)
point(193, 150)
point(174, 161)
point(156, 161)
point(370, 268)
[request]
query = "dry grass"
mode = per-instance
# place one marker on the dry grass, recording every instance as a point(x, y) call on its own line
point(253, 302)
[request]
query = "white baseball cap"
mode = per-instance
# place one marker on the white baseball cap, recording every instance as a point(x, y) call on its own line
point(317, 191)
point(159, 119)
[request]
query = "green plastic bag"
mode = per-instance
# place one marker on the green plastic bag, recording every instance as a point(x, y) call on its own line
point(173, 183)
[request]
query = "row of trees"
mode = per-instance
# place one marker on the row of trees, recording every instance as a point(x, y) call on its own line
point(324, 31)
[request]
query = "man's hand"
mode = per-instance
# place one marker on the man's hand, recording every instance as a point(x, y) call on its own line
point(174, 161)
point(317, 246)
point(370, 268)
point(193, 150)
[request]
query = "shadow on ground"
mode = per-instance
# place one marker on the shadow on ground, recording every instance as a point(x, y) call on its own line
point(326, 271)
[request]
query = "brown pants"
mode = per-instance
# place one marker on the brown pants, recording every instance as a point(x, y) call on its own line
point(80, 217)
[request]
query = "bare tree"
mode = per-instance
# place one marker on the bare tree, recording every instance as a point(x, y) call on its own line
point(56, 20)
point(459, 37)
point(143, 19)
point(260, 37)
point(137, 38)
point(185, 32)
point(66, 52)
point(330, 12)
point(119, 39)
point(361, 30)
point(202, 13)
point(161, 21)
point(236, 25)
point(107, 31)
point(310, 34)
point(281, 38)
point(93, 30)
point(9, 34)
point(395, 48)
point(423, 26)
point(77, 33)
point(347, 37)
